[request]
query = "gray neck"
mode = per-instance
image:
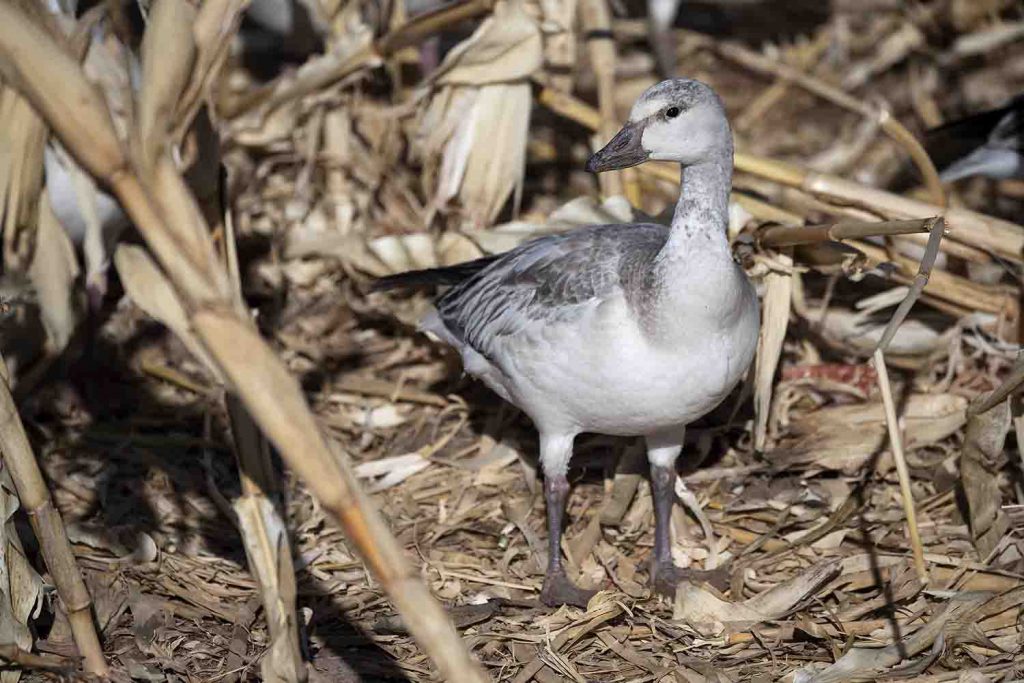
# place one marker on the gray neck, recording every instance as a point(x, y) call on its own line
point(698, 236)
point(702, 212)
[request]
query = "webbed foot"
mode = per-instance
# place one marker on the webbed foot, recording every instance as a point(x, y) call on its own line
point(559, 590)
point(665, 576)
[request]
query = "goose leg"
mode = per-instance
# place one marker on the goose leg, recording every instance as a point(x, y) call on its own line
point(662, 452)
point(665, 575)
point(558, 589)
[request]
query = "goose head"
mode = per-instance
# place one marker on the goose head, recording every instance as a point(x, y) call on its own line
point(679, 120)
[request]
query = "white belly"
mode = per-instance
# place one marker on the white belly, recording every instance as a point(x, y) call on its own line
point(603, 375)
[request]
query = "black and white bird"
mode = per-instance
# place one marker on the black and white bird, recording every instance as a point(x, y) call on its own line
point(988, 143)
point(632, 329)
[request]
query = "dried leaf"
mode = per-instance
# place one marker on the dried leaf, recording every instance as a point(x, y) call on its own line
point(168, 50)
point(392, 470)
point(871, 663)
point(980, 465)
point(153, 293)
point(22, 140)
point(53, 272)
point(21, 588)
point(505, 47)
point(150, 621)
point(774, 322)
point(709, 615)
point(843, 437)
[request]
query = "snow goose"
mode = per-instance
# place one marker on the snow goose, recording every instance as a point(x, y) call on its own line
point(661, 17)
point(634, 329)
point(988, 143)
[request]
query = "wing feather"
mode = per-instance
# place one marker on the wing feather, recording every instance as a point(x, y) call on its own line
point(549, 279)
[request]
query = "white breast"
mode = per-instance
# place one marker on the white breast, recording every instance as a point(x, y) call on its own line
point(603, 374)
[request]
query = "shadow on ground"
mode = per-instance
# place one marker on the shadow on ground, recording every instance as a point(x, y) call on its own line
point(125, 460)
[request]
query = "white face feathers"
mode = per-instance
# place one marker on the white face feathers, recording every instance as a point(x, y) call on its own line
point(683, 121)
point(677, 120)
point(689, 137)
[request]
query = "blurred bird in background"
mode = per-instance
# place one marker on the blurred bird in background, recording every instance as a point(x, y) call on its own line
point(753, 22)
point(988, 143)
point(661, 18)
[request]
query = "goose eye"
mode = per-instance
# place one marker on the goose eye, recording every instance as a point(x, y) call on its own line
point(672, 112)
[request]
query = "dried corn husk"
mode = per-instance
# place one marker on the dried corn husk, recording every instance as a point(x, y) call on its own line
point(22, 139)
point(53, 272)
point(397, 253)
point(21, 587)
point(774, 321)
point(473, 128)
point(844, 437)
point(272, 566)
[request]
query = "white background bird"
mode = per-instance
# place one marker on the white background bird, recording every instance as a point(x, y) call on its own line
point(661, 17)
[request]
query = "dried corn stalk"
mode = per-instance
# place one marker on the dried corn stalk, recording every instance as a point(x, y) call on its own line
point(595, 23)
point(156, 198)
point(560, 44)
point(260, 520)
point(20, 465)
point(473, 130)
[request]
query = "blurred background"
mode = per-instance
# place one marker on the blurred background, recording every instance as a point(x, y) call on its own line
point(341, 140)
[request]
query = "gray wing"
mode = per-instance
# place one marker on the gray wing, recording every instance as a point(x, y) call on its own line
point(549, 279)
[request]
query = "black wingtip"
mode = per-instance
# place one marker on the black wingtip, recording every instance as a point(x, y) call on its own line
point(431, 277)
point(411, 280)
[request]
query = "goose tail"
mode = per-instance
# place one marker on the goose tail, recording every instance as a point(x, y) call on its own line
point(431, 277)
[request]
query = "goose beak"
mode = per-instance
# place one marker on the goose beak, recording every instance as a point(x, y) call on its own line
point(622, 151)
